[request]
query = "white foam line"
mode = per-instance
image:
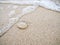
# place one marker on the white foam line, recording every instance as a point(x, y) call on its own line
point(29, 9)
point(12, 21)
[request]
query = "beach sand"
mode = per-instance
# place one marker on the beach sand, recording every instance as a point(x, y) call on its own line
point(43, 29)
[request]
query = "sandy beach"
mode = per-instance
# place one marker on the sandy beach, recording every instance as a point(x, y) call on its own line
point(43, 29)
